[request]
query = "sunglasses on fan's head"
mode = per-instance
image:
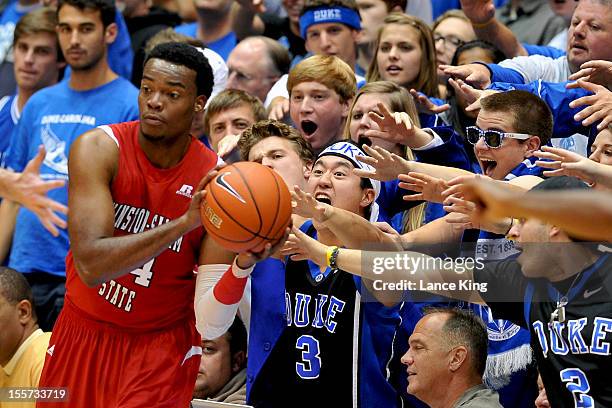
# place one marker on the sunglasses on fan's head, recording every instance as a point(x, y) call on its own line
point(492, 138)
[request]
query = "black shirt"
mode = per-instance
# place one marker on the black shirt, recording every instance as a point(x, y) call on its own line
point(573, 355)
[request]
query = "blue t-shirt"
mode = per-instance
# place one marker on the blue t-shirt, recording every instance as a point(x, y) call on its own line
point(9, 116)
point(223, 46)
point(55, 117)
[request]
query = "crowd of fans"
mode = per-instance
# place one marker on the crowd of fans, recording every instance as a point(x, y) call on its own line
point(472, 139)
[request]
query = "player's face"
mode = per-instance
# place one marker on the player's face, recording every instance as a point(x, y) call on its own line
point(360, 121)
point(449, 34)
point(11, 332)
point(373, 13)
point(427, 358)
point(280, 155)
point(231, 121)
point(399, 54)
point(167, 100)
point(332, 39)
point(590, 34)
point(332, 181)
point(215, 367)
point(250, 69)
point(36, 63)
point(530, 236)
point(82, 37)
point(499, 162)
point(601, 149)
point(317, 112)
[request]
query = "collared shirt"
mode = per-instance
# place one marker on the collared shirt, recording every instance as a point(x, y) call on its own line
point(25, 367)
point(478, 396)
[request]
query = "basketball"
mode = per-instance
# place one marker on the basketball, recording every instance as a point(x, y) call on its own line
point(246, 206)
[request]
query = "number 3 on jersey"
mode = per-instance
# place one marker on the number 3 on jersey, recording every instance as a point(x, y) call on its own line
point(144, 274)
point(310, 367)
point(577, 383)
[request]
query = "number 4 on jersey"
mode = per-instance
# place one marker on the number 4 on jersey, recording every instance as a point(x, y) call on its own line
point(144, 274)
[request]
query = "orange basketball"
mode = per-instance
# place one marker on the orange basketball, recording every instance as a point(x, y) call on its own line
point(246, 206)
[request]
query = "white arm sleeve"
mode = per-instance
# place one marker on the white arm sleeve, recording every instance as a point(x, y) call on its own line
point(214, 318)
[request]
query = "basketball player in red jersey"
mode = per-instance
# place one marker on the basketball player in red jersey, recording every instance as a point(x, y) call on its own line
point(126, 336)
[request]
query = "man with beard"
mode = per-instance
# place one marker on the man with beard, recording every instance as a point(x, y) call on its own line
point(54, 117)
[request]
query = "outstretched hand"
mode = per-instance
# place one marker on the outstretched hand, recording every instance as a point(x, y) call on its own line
point(600, 108)
point(426, 187)
point(30, 191)
point(305, 205)
point(300, 246)
point(248, 259)
point(387, 166)
point(394, 127)
point(596, 72)
point(425, 105)
point(561, 162)
point(477, 75)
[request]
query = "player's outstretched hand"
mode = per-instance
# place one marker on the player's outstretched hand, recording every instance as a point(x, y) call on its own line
point(279, 108)
point(426, 187)
point(300, 246)
point(477, 75)
point(596, 71)
point(305, 205)
point(30, 191)
point(387, 166)
point(425, 105)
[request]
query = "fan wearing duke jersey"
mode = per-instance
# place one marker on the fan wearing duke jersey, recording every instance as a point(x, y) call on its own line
point(136, 235)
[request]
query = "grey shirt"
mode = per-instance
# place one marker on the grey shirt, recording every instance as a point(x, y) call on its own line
point(533, 22)
point(479, 396)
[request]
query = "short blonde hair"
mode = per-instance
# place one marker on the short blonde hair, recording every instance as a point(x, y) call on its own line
point(327, 70)
point(427, 79)
point(230, 99)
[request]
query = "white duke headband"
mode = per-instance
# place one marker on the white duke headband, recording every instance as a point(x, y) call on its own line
point(349, 152)
point(321, 15)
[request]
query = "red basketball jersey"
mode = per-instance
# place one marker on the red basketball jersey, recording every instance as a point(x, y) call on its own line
point(159, 293)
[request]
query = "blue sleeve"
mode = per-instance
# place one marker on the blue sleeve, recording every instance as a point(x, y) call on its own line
point(450, 154)
point(557, 97)
point(501, 74)
point(120, 54)
point(544, 50)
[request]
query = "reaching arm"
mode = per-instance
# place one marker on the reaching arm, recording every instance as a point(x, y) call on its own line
point(586, 214)
point(98, 255)
point(488, 28)
point(385, 267)
point(388, 166)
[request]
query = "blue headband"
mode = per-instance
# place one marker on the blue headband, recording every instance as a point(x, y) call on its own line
point(341, 15)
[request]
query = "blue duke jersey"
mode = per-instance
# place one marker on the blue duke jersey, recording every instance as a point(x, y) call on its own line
point(312, 336)
point(317, 353)
point(573, 353)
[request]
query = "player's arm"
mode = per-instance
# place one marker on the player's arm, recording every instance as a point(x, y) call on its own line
point(98, 255)
point(367, 265)
point(586, 214)
point(220, 286)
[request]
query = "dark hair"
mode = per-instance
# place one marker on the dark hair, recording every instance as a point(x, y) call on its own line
point(105, 7)
point(531, 115)
point(237, 336)
point(190, 57)
point(463, 328)
point(455, 115)
point(14, 288)
point(315, 4)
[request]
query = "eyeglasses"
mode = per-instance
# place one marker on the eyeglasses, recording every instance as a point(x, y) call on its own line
point(454, 41)
point(492, 138)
